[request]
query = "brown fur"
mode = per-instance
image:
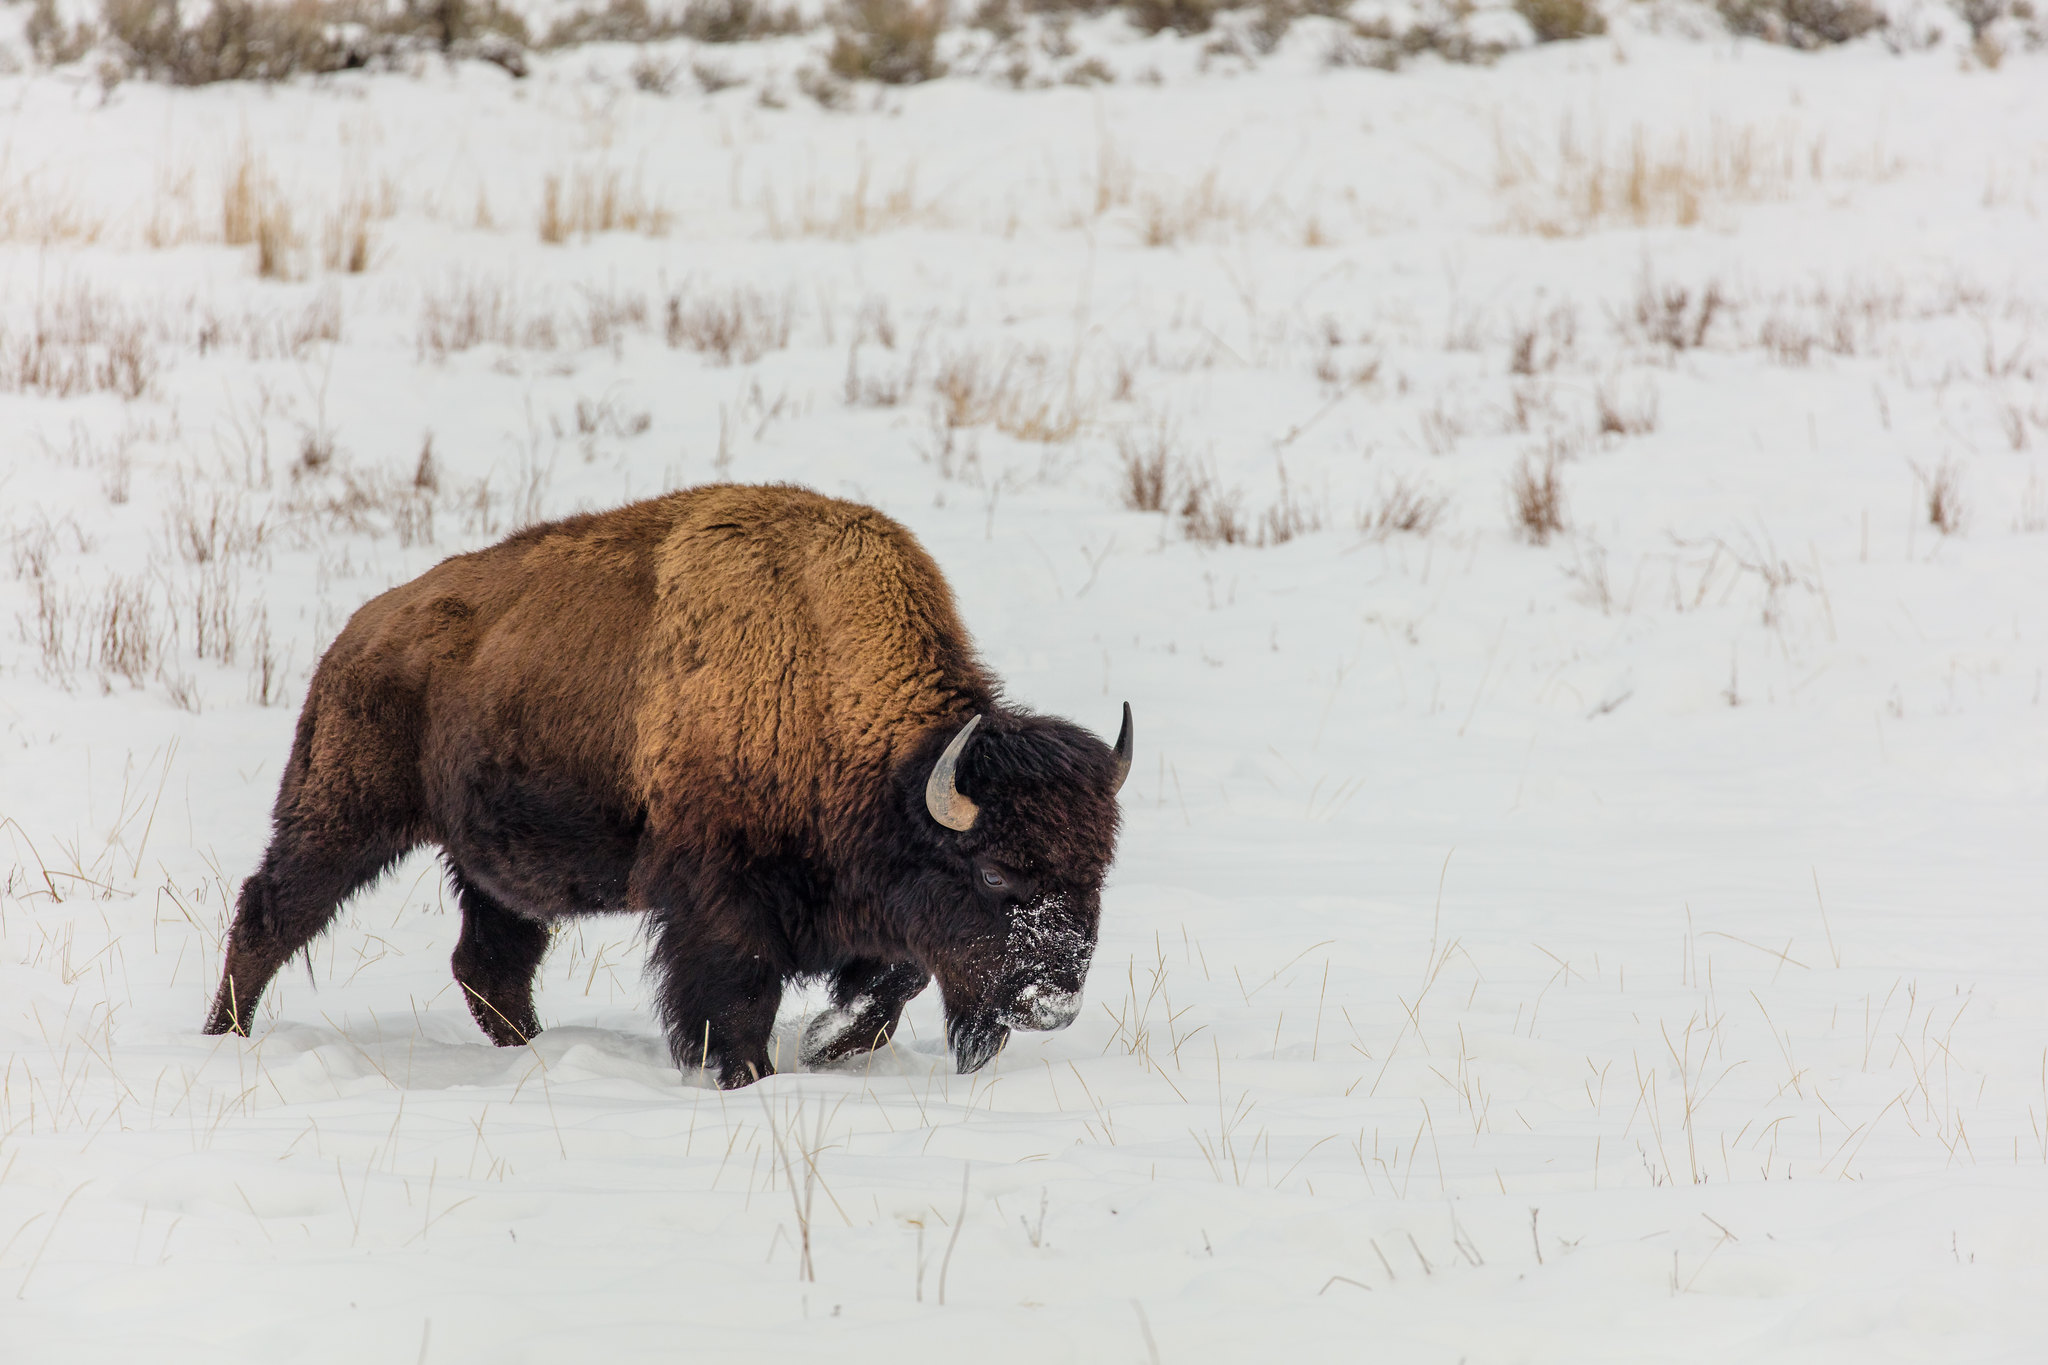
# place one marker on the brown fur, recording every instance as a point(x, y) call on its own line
point(713, 706)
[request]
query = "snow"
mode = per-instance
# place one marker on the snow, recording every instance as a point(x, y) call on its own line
point(1626, 947)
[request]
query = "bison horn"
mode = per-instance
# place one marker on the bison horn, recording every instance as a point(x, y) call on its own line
point(941, 797)
point(1124, 746)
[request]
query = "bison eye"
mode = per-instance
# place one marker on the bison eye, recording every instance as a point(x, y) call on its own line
point(992, 879)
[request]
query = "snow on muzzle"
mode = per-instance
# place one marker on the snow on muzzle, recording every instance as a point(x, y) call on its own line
point(1049, 955)
point(1041, 1008)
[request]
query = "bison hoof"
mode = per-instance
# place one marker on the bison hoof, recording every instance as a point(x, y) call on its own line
point(838, 1034)
point(974, 1043)
point(734, 1077)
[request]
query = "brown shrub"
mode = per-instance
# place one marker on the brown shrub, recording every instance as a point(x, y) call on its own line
point(1558, 20)
point(1804, 24)
point(736, 21)
point(707, 21)
point(50, 41)
point(892, 41)
point(236, 40)
point(1182, 16)
point(245, 40)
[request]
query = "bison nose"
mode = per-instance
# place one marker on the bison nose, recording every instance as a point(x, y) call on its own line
point(1042, 1008)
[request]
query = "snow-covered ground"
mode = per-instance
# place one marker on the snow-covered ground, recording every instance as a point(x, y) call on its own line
point(1626, 947)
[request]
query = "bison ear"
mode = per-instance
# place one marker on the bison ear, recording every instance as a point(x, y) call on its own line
point(941, 797)
point(1124, 746)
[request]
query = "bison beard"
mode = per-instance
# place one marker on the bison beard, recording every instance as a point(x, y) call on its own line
point(750, 713)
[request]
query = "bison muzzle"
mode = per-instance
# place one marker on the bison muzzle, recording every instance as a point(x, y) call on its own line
point(750, 713)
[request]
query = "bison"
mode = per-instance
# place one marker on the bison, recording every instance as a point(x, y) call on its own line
point(751, 714)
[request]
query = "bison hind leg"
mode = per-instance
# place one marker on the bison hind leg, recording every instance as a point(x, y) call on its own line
point(867, 1003)
point(305, 876)
point(495, 961)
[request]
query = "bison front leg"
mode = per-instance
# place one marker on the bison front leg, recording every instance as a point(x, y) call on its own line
point(718, 1005)
point(867, 1003)
point(495, 961)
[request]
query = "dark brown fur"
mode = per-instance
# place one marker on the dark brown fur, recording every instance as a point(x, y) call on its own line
point(717, 707)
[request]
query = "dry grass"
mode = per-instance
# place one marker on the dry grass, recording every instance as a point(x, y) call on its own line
point(241, 200)
point(1148, 466)
point(31, 549)
point(740, 325)
point(2031, 518)
point(866, 389)
point(1155, 477)
point(1402, 507)
point(1292, 514)
point(117, 632)
point(124, 364)
point(472, 311)
point(1536, 503)
point(712, 78)
point(175, 215)
point(1941, 492)
point(1025, 394)
point(1633, 414)
point(1671, 316)
point(655, 75)
point(1586, 182)
point(346, 241)
point(1842, 320)
point(32, 210)
point(1115, 177)
point(861, 210)
point(277, 243)
point(1208, 514)
point(588, 201)
point(1543, 343)
point(254, 211)
point(273, 335)
point(79, 342)
point(213, 527)
point(1167, 216)
point(609, 314)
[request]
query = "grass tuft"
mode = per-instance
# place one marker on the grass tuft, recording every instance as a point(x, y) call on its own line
point(1941, 490)
point(1536, 503)
point(1403, 507)
point(589, 201)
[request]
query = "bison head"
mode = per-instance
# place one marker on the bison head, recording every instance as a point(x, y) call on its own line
point(1021, 825)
